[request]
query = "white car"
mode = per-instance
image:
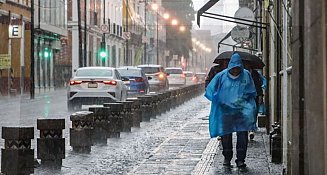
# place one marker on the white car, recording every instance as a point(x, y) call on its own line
point(95, 85)
point(189, 77)
point(176, 76)
point(157, 77)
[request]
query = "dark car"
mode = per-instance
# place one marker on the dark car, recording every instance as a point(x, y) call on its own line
point(137, 83)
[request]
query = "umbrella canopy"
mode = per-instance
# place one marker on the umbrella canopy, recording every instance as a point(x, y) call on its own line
point(254, 61)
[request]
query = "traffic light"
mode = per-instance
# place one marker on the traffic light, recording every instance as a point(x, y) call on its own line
point(46, 53)
point(103, 51)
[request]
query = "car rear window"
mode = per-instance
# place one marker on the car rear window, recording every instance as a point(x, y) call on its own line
point(130, 72)
point(94, 73)
point(188, 74)
point(174, 71)
point(150, 70)
point(200, 75)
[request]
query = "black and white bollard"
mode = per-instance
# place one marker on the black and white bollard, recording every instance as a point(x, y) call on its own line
point(136, 112)
point(17, 157)
point(51, 144)
point(116, 119)
point(146, 107)
point(82, 131)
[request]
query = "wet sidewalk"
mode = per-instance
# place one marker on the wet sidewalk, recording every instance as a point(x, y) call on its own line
point(190, 151)
point(258, 159)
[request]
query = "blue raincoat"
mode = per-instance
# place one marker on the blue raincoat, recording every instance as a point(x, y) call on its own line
point(233, 106)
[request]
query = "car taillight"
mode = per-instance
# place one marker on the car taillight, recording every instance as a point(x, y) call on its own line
point(183, 75)
point(74, 82)
point(193, 78)
point(160, 75)
point(110, 82)
point(139, 79)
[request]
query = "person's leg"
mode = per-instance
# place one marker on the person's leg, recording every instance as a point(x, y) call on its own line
point(241, 148)
point(227, 144)
point(251, 133)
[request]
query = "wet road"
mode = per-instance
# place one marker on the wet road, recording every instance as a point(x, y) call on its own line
point(145, 150)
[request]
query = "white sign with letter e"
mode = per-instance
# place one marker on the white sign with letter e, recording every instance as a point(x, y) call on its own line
point(15, 31)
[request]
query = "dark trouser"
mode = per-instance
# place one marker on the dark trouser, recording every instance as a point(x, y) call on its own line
point(241, 146)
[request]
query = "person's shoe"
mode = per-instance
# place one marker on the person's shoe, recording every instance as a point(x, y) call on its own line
point(240, 164)
point(251, 135)
point(227, 163)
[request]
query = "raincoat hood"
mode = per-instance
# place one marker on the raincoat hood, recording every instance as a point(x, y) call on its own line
point(235, 61)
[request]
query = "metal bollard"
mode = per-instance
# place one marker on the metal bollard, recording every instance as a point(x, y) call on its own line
point(137, 113)
point(17, 157)
point(51, 144)
point(146, 107)
point(82, 131)
point(116, 119)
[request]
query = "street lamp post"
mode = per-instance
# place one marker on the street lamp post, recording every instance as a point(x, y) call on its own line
point(126, 30)
point(155, 7)
point(157, 39)
point(145, 56)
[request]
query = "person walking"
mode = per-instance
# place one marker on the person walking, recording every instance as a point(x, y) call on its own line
point(232, 94)
point(258, 83)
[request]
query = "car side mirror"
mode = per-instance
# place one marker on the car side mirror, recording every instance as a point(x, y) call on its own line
point(149, 78)
point(167, 74)
point(75, 70)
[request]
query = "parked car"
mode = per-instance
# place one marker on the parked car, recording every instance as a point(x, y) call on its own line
point(199, 77)
point(189, 77)
point(157, 77)
point(176, 76)
point(137, 83)
point(95, 85)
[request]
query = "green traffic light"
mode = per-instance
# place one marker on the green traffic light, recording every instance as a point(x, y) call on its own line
point(103, 54)
point(46, 53)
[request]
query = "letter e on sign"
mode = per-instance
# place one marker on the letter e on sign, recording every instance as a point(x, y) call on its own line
point(15, 31)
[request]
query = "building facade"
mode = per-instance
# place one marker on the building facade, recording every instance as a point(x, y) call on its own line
point(15, 72)
point(50, 56)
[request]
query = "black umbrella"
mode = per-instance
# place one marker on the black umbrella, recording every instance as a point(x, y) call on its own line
point(254, 61)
